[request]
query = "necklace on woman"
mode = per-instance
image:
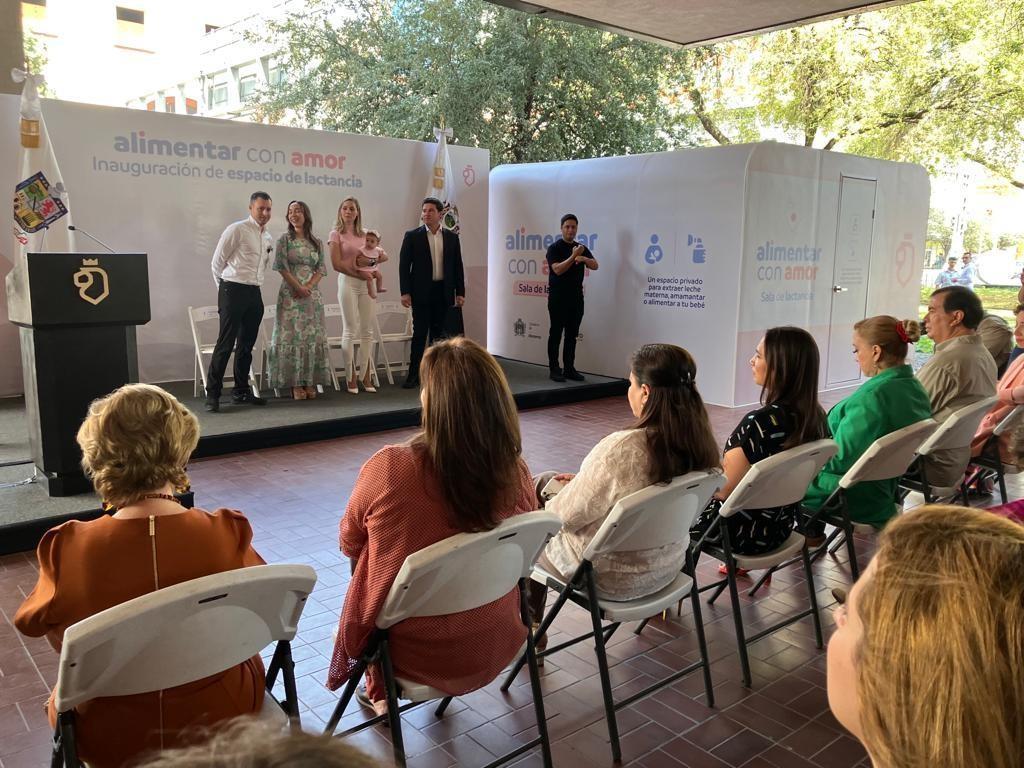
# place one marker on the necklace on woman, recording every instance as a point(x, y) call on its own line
point(165, 496)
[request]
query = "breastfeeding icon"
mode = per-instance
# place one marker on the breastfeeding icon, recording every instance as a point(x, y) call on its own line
point(654, 252)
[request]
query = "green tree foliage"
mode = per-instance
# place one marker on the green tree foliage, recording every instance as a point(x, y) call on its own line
point(931, 82)
point(526, 88)
point(36, 60)
point(939, 232)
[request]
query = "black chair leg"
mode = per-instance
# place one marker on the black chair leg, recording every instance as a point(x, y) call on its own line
point(439, 712)
point(346, 697)
point(545, 623)
point(291, 695)
point(815, 616)
point(394, 716)
point(851, 551)
point(1002, 482)
point(602, 667)
point(737, 617)
point(702, 644)
point(718, 591)
point(65, 751)
point(640, 627)
point(538, 696)
point(765, 577)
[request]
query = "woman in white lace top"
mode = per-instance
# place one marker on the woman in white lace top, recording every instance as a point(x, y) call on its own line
point(672, 436)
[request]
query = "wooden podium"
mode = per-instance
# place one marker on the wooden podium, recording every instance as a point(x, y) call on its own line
point(78, 345)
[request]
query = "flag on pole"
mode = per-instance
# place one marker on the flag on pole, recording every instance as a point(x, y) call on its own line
point(40, 200)
point(441, 183)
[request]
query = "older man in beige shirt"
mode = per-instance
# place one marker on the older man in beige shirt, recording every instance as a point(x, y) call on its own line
point(961, 371)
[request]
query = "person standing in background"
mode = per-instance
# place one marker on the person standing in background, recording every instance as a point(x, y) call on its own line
point(945, 278)
point(968, 273)
point(239, 264)
point(431, 279)
point(568, 262)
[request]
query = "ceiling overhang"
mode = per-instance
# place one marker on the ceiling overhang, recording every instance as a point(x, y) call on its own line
point(684, 23)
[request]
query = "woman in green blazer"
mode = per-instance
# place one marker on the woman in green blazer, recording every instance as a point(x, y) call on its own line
point(891, 398)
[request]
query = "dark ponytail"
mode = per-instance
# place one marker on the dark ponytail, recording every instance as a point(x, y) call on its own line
point(679, 437)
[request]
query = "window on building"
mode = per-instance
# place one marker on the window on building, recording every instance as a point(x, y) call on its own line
point(211, 27)
point(132, 15)
point(276, 75)
point(169, 104)
point(191, 106)
point(246, 86)
point(151, 106)
point(35, 2)
point(218, 94)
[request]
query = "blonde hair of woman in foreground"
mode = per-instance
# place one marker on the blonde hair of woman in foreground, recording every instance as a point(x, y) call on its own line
point(248, 743)
point(926, 666)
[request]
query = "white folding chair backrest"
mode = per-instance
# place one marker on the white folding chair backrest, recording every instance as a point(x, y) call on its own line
point(958, 430)
point(1009, 421)
point(655, 516)
point(181, 633)
point(391, 332)
point(780, 480)
point(198, 315)
point(468, 570)
point(889, 456)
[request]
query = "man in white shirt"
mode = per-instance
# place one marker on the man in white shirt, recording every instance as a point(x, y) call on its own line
point(239, 264)
point(968, 273)
point(431, 276)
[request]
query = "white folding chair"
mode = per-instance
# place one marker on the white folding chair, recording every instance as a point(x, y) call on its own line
point(333, 319)
point(887, 458)
point(265, 337)
point(460, 573)
point(652, 517)
point(398, 317)
point(198, 319)
point(777, 481)
point(180, 634)
point(991, 460)
point(956, 432)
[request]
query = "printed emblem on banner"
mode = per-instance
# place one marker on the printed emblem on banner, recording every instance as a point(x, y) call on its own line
point(85, 280)
point(519, 327)
point(35, 206)
point(469, 175)
point(654, 252)
point(700, 254)
point(905, 260)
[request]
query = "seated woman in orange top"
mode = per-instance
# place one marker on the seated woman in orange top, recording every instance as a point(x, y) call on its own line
point(135, 444)
point(463, 472)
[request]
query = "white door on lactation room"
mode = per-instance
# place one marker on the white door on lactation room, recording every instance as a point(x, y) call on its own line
point(850, 276)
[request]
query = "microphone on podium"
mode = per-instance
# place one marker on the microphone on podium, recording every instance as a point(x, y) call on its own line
point(73, 228)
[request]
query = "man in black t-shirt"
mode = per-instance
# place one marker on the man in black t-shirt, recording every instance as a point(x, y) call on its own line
point(567, 264)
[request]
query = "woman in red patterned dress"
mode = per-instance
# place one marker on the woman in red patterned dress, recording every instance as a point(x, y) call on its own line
point(463, 472)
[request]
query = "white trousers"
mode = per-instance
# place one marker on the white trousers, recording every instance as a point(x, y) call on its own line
point(357, 317)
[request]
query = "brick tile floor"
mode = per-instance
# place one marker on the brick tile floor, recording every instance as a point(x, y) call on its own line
point(295, 496)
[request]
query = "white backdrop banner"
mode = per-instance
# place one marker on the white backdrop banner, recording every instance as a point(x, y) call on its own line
point(678, 236)
point(167, 185)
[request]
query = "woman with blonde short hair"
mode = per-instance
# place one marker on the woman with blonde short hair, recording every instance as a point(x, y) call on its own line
point(135, 445)
point(926, 665)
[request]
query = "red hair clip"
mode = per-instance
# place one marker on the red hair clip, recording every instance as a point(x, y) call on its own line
point(902, 332)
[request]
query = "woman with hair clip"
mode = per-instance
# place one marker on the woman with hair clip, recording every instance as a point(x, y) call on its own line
point(670, 437)
point(924, 666)
point(298, 348)
point(891, 398)
point(345, 242)
point(463, 472)
point(135, 444)
point(785, 364)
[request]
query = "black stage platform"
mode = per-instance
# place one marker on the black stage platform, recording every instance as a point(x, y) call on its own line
point(26, 511)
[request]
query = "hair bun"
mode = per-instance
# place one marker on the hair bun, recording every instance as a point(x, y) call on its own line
point(913, 329)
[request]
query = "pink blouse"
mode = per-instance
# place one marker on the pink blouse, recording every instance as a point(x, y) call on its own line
point(1010, 392)
point(349, 244)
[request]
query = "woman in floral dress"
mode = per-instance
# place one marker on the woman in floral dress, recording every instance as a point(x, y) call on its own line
point(298, 351)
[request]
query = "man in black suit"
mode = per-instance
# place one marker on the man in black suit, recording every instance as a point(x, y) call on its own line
point(431, 280)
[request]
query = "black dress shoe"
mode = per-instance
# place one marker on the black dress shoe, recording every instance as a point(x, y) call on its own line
point(556, 375)
point(410, 384)
point(213, 404)
point(248, 398)
point(573, 375)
